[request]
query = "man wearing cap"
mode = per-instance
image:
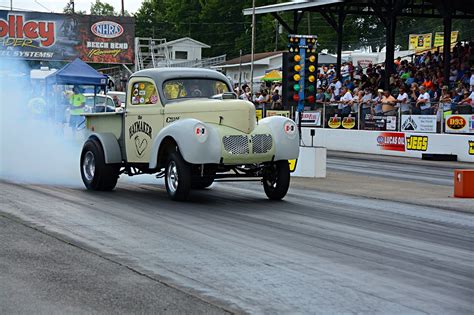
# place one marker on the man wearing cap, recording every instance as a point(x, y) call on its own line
point(345, 102)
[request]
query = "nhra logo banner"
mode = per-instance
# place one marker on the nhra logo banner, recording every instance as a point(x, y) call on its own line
point(61, 37)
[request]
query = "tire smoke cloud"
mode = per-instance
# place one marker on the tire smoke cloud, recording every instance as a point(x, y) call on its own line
point(34, 148)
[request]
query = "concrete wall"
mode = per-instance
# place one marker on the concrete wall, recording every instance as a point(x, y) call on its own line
point(411, 144)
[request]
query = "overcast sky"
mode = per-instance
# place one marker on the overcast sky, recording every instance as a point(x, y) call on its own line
point(57, 6)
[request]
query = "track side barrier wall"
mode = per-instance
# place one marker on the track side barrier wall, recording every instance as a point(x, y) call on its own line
point(409, 144)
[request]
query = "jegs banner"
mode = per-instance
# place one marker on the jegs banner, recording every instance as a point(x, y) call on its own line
point(61, 37)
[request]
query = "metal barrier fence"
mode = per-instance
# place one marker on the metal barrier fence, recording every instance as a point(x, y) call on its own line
point(336, 115)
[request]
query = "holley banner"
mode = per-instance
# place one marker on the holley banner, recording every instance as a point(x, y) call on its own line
point(61, 37)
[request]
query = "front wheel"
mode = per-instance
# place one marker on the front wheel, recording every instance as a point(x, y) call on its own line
point(177, 177)
point(276, 180)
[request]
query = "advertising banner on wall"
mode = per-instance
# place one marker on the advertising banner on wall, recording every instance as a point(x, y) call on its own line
point(392, 141)
point(336, 122)
point(419, 42)
point(62, 37)
point(284, 113)
point(380, 123)
point(439, 39)
point(419, 123)
point(310, 119)
point(459, 124)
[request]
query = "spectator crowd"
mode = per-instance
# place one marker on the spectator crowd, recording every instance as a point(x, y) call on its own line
point(417, 86)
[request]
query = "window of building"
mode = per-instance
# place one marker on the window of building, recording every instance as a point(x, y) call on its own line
point(181, 55)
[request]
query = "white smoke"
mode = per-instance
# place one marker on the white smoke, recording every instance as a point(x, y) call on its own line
point(35, 150)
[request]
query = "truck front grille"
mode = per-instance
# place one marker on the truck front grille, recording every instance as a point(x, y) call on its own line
point(236, 144)
point(262, 143)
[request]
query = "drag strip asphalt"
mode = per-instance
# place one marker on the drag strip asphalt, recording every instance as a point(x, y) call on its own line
point(431, 172)
point(314, 252)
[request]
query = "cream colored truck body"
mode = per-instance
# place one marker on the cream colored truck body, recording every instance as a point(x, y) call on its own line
point(189, 139)
point(228, 117)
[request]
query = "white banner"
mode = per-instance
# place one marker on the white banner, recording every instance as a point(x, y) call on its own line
point(419, 123)
point(310, 119)
point(459, 124)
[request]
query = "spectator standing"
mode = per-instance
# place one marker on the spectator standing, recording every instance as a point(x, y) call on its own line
point(276, 101)
point(388, 104)
point(403, 102)
point(466, 104)
point(423, 102)
point(414, 93)
point(377, 101)
point(345, 102)
point(337, 85)
point(445, 103)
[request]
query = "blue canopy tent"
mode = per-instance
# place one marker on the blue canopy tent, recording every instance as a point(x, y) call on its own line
point(77, 73)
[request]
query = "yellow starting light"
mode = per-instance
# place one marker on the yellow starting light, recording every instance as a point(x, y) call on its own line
point(297, 77)
point(297, 68)
point(311, 68)
point(312, 58)
point(297, 58)
point(311, 78)
point(291, 39)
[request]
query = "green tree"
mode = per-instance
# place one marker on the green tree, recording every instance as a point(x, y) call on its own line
point(102, 8)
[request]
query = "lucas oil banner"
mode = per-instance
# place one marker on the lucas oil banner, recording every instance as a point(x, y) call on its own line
point(48, 36)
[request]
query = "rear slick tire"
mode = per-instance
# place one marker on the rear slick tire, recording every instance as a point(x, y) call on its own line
point(276, 180)
point(96, 175)
point(177, 177)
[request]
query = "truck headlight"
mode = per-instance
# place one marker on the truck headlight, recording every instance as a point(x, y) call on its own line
point(201, 132)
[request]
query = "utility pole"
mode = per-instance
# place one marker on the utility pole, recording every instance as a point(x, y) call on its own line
point(123, 9)
point(253, 49)
point(276, 35)
point(240, 71)
point(11, 5)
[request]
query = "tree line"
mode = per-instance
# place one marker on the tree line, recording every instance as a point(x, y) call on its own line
point(222, 25)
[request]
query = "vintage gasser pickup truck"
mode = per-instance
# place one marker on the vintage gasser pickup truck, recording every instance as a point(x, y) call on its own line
point(186, 125)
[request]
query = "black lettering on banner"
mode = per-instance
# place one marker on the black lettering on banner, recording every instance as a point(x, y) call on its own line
point(417, 143)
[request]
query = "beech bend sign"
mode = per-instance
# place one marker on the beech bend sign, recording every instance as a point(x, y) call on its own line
point(64, 37)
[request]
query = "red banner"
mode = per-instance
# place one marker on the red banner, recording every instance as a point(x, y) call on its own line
point(47, 36)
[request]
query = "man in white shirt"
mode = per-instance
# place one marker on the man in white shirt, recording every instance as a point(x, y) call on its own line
point(337, 85)
point(403, 103)
point(346, 101)
point(423, 102)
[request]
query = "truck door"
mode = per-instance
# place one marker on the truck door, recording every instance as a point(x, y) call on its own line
point(143, 119)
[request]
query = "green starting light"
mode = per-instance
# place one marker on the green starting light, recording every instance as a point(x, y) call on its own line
point(296, 87)
point(311, 88)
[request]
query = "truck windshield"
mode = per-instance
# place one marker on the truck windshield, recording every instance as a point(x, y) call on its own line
point(193, 88)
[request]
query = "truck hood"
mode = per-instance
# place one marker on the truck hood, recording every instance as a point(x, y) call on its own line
point(232, 113)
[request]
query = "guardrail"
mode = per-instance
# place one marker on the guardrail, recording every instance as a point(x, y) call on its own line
point(354, 116)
